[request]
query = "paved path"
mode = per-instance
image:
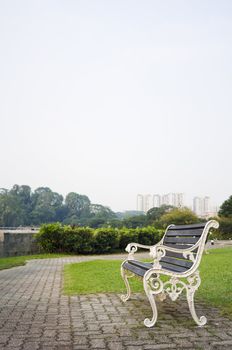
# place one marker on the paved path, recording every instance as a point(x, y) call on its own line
point(35, 315)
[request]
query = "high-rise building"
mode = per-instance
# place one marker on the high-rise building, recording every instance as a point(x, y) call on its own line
point(175, 199)
point(156, 200)
point(179, 200)
point(147, 202)
point(201, 206)
point(166, 199)
point(197, 206)
point(206, 207)
point(140, 202)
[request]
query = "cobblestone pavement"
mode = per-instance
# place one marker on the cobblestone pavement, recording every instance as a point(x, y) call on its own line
point(35, 315)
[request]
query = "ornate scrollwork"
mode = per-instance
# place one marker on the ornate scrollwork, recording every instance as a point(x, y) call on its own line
point(174, 288)
point(125, 275)
point(131, 248)
point(189, 255)
point(155, 284)
point(157, 253)
point(194, 281)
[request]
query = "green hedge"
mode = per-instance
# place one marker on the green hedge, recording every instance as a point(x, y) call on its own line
point(56, 237)
point(51, 238)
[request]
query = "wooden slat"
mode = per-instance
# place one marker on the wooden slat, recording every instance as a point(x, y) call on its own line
point(184, 227)
point(141, 264)
point(173, 268)
point(171, 233)
point(140, 271)
point(181, 240)
point(174, 255)
point(178, 246)
point(178, 262)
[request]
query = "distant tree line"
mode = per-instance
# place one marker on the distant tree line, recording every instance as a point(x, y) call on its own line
point(20, 206)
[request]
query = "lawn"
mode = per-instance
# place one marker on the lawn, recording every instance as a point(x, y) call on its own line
point(103, 276)
point(7, 263)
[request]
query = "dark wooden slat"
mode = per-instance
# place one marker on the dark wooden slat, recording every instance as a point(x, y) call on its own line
point(174, 255)
point(135, 269)
point(184, 227)
point(177, 262)
point(141, 264)
point(173, 268)
point(181, 233)
point(178, 246)
point(181, 240)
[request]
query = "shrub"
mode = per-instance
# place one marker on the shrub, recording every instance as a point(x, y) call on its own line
point(182, 216)
point(84, 240)
point(126, 236)
point(105, 240)
point(148, 235)
point(78, 240)
point(51, 238)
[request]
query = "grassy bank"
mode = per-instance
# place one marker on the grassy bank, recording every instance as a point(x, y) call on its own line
point(101, 276)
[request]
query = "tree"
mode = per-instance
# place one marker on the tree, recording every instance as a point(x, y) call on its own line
point(21, 206)
point(77, 206)
point(15, 206)
point(23, 196)
point(135, 221)
point(226, 208)
point(9, 210)
point(155, 213)
point(46, 205)
point(183, 216)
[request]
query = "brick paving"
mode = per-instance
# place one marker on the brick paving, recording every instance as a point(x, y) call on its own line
point(34, 314)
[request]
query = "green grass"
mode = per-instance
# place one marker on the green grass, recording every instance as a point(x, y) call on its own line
point(7, 263)
point(103, 276)
point(98, 276)
point(216, 276)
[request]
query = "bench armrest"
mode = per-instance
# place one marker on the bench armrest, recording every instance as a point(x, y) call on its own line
point(131, 248)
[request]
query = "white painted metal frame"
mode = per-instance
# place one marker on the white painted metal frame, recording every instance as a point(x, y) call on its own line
point(153, 285)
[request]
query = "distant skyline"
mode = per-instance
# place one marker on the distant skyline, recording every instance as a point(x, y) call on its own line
point(114, 98)
point(201, 205)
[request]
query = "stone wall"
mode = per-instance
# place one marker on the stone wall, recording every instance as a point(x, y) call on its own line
point(1, 243)
point(18, 242)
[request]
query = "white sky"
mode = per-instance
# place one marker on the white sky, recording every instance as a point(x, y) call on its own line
point(114, 98)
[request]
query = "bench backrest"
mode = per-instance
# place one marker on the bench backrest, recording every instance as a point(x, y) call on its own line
point(183, 237)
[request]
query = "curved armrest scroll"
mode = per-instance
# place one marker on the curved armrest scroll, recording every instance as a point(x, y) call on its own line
point(133, 247)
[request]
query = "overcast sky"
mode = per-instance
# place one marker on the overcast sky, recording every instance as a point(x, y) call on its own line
point(114, 98)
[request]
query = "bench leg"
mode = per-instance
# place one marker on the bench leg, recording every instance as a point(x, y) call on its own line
point(151, 298)
point(125, 275)
point(190, 298)
point(191, 288)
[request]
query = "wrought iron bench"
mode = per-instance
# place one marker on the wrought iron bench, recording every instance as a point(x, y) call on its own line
point(177, 256)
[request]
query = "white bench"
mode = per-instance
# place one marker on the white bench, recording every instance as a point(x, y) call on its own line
point(177, 256)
